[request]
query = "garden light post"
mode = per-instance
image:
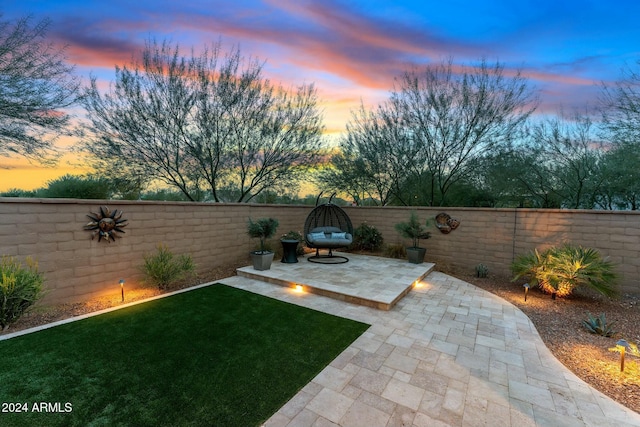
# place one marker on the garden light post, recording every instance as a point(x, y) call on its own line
point(622, 345)
point(526, 291)
point(122, 288)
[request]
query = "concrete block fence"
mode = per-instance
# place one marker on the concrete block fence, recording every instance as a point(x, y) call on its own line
point(78, 268)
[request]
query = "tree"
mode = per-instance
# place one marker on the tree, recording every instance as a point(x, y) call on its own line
point(457, 115)
point(436, 123)
point(620, 178)
point(516, 177)
point(36, 84)
point(206, 124)
point(620, 104)
point(568, 149)
point(361, 169)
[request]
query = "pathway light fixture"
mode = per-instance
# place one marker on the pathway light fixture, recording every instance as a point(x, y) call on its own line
point(622, 346)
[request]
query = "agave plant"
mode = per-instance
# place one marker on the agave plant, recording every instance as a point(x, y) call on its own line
point(559, 270)
point(598, 325)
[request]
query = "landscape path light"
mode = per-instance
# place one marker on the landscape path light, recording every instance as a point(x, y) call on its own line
point(622, 346)
point(526, 291)
point(122, 288)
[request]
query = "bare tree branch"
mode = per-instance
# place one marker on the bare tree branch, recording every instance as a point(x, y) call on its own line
point(36, 84)
point(206, 122)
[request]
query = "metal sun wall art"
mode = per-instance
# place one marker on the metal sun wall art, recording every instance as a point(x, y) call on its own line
point(445, 223)
point(106, 224)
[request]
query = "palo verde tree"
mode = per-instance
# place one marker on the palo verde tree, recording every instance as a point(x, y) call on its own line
point(457, 114)
point(619, 187)
point(36, 85)
point(437, 122)
point(568, 149)
point(374, 156)
point(515, 177)
point(620, 107)
point(620, 103)
point(205, 124)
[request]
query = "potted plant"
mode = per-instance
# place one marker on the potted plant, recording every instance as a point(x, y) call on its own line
point(415, 231)
point(290, 246)
point(263, 228)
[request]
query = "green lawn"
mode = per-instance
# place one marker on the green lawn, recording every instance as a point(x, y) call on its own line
point(215, 356)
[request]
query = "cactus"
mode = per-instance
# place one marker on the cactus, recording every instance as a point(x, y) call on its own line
point(482, 270)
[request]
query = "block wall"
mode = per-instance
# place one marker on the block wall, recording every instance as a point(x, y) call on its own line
point(495, 237)
point(77, 268)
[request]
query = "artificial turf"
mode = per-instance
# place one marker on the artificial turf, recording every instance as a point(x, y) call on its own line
point(215, 356)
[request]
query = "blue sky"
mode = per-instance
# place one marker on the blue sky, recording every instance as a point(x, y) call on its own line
point(352, 50)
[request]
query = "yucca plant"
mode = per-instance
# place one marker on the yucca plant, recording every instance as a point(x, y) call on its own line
point(559, 270)
point(599, 325)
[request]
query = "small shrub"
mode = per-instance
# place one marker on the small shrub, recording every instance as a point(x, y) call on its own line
point(482, 271)
point(16, 192)
point(395, 250)
point(20, 288)
point(163, 269)
point(413, 230)
point(559, 270)
point(77, 187)
point(292, 235)
point(263, 229)
point(367, 237)
point(598, 325)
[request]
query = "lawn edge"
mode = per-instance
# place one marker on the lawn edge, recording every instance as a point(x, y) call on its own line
point(103, 311)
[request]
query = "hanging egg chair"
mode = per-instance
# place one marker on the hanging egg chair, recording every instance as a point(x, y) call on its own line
point(328, 227)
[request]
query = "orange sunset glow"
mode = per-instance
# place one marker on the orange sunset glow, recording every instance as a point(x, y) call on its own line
point(351, 51)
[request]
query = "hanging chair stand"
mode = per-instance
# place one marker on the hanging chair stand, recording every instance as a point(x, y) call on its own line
point(328, 227)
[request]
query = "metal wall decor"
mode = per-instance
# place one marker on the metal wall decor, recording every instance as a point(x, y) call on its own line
point(445, 223)
point(106, 224)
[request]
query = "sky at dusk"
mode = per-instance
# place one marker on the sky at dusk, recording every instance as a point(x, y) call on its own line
point(351, 50)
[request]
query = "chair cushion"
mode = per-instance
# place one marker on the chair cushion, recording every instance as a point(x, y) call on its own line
point(325, 229)
point(336, 235)
point(317, 235)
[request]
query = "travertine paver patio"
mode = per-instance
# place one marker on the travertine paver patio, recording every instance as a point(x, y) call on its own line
point(447, 354)
point(372, 281)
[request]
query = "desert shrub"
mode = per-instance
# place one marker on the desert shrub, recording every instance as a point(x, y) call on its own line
point(599, 325)
point(20, 287)
point(395, 250)
point(163, 268)
point(16, 192)
point(77, 187)
point(367, 237)
point(560, 270)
